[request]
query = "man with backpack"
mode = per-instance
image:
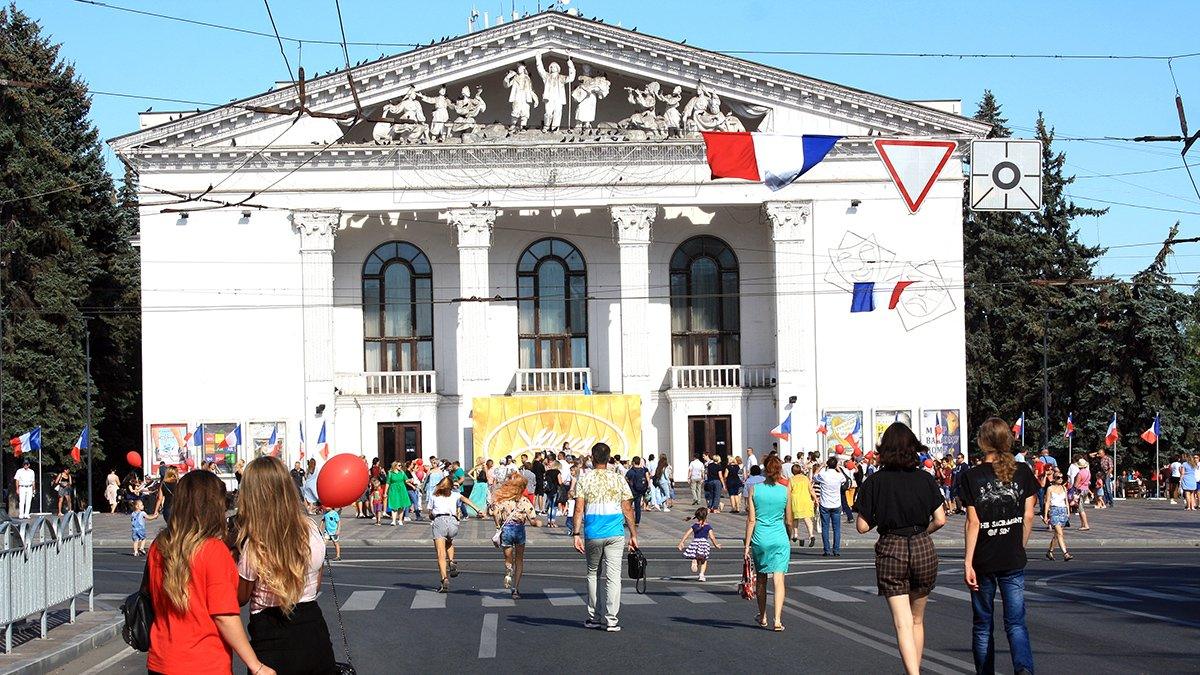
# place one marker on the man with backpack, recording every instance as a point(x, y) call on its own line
point(638, 478)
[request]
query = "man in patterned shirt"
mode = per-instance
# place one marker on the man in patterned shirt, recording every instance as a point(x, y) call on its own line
point(603, 509)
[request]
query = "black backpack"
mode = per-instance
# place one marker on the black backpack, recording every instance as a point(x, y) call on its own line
point(139, 615)
point(637, 479)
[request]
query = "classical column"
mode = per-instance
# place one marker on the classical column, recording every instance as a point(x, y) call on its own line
point(632, 225)
point(795, 307)
point(317, 230)
point(473, 230)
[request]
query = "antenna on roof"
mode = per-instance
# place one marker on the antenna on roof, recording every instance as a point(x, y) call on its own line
point(474, 16)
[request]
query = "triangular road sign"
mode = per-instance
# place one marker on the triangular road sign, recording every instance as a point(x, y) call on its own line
point(914, 166)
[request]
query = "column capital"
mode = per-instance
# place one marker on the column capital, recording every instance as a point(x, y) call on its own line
point(788, 219)
point(316, 228)
point(632, 223)
point(473, 225)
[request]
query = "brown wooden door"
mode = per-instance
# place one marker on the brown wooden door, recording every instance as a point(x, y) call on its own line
point(710, 434)
point(399, 441)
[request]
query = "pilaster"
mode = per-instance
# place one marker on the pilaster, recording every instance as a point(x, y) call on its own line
point(632, 226)
point(317, 230)
point(791, 226)
point(473, 233)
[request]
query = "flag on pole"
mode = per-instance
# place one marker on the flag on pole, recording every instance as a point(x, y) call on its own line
point(232, 440)
point(774, 159)
point(852, 438)
point(274, 447)
point(1070, 427)
point(81, 444)
point(322, 443)
point(1151, 435)
point(823, 426)
point(938, 430)
point(30, 441)
point(1113, 433)
point(1019, 427)
point(302, 440)
point(783, 431)
point(197, 436)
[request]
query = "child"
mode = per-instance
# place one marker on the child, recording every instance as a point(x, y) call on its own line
point(378, 497)
point(137, 522)
point(702, 542)
point(333, 523)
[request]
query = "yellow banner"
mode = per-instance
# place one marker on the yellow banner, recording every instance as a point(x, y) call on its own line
point(516, 425)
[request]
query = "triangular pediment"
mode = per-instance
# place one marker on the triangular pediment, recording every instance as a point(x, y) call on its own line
point(734, 93)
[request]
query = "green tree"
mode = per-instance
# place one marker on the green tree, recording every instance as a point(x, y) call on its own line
point(64, 246)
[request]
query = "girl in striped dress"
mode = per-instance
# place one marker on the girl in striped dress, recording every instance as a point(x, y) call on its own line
point(702, 543)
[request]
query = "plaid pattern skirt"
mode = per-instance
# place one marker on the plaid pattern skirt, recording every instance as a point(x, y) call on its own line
point(905, 565)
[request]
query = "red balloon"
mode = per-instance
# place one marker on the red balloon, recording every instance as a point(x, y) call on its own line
point(929, 463)
point(851, 465)
point(857, 453)
point(840, 450)
point(134, 458)
point(342, 481)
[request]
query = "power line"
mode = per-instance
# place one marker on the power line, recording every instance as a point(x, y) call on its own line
point(1135, 206)
point(282, 51)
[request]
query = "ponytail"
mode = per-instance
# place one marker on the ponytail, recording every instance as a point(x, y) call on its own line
point(995, 437)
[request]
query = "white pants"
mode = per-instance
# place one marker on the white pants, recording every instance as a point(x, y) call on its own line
point(25, 497)
point(603, 604)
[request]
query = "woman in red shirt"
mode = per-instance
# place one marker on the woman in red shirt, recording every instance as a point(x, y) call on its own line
point(193, 584)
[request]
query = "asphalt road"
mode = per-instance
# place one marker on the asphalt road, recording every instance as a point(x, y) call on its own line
point(1109, 610)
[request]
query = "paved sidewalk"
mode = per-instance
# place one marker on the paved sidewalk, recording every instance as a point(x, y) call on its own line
point(1131, 524)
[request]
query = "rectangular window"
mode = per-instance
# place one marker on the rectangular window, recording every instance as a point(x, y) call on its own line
point(260, 438)
point(374, 361)
point(578, 353)
point(425, 355)
point(528, 354)
point(371, 308)
point(525, 317)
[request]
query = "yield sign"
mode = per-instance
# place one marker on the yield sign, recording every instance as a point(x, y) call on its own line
point(914, 166)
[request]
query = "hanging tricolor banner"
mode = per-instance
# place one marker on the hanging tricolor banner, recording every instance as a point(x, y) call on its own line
point(774, 159)
point(30, 441)
point(914, 166)
point(1070, 426)
point(783, 430)
point(81, 444)
point(863, 295)
point(1111, 436)
point(197, 436)
point(1151, 435)
point(1018, 427)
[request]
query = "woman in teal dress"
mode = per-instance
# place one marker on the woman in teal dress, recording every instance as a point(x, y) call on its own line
point(768, 533)
point(397, 500)
point(479, 492)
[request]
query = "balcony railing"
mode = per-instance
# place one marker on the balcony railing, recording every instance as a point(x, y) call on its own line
point(552, 380)
point(722, 377)
point(393, 383)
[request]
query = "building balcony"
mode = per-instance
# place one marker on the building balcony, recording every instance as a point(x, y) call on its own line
point(393, 383)
point(722, 377)
point(551, 380)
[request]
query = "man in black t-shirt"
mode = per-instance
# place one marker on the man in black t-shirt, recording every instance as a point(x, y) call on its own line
point(999, 520)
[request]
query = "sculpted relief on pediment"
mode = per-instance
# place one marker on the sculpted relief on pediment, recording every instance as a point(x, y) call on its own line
point(555, 100)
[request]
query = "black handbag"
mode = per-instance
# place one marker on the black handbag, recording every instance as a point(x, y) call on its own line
point(637, 569)
point(346, 668)
point(139, 615)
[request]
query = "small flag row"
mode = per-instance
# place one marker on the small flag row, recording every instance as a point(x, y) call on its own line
point(1111, 435)
point(31, 441)
point(864, 295)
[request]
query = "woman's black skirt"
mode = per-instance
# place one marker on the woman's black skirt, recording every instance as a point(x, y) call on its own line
point(295, 645)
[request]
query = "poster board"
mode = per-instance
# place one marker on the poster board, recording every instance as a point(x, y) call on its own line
point(260, 437)
point(941, 431)
point(883, 418)
point(167, 444)
point(516, 425)
point(845, 430)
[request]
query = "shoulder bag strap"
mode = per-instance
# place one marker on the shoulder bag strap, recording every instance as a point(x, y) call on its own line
point(146, 575)
point(337, 606)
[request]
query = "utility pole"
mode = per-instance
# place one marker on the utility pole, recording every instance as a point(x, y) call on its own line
point(3, 477)
point(87, 429)
point(1046, 380)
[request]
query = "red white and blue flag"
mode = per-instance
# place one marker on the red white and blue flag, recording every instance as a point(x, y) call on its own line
point(1018, 428)
point(1151, 435)
point(823, 426)
point(322, 443)
point(783, 430)
point(30, 441)
point(852, 439)
point(196, 437)
point(1070, 426)
point(302, 440)
point(232, 440)
point(81, 444)
point(774, 159)
point(274, 446)
point(1113, 433)
point(938, 430)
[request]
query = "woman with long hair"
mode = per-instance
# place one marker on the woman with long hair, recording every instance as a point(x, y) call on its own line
point(1000, 493)
point(907, 505)
point(1055, 513)
point(512, 511)
point(166, 493)
point(443, 518)
point(193, 584)
point(398, 500)
point(733, 483)
point(479, 491)
point(62, 486)
point(768, 529)
point(279, 572)
point(662, 484)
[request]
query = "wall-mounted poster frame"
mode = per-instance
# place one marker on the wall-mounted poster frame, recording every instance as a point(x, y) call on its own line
point(846, 426)
point(167, 444)
point(214, 433)
point(259, 443)
point(882, 418)
point(941, 431)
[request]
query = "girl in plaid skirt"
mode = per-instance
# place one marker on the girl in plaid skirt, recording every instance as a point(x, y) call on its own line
point(703, 541)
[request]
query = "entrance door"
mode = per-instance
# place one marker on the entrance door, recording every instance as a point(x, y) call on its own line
point(399, 441)
point(710, 434)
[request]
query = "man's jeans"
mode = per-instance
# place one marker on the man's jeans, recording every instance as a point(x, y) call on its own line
point(1012, 592)
point(608, 552)
point(1109, 491)
point(697, 491)
point(712, 490)
point(831, 519)
point(638, 499)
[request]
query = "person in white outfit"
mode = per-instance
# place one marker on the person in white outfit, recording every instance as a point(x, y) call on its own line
point(25, 481)
point(554, 92)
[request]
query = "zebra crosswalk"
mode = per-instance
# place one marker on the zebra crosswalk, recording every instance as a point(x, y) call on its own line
point(368, 600)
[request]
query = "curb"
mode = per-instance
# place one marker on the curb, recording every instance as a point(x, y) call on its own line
point(108, 630)
point(855, 544)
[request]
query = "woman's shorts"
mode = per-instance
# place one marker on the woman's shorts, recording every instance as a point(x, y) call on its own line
point(512, 535)
point(905, 565)
point(445, 527)
point(564, 493)
point(1059, 516)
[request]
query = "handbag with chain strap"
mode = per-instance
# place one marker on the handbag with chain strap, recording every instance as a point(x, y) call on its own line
point(346, 667)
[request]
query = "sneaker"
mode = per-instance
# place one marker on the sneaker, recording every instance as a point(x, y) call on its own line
point(1174, 502)
point(612, 629)
point(591, 623)
point(453, 569)
point(701, 578)
point(508, 579)
point(812, 541)
point(837, 554)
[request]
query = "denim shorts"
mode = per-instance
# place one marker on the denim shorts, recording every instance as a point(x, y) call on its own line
point(512, 534)
point(139, 534)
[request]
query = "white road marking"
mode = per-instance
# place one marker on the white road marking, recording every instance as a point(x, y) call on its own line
point(1142, 592)
point(869, 590)
point(629, 596)
point(1091, 595)
point(828, 594)
point(956, 593)
point(362, 601)
point(428, 600)
point(487, 636)
point(111, 661)
point(695, 596)
point(563, 597)
point(497, 597)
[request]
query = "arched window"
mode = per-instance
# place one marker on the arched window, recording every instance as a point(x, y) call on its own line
point(397, 292)
point(704, 304)
point(552, 306)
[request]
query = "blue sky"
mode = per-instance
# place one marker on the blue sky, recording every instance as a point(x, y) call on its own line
point(122, 52)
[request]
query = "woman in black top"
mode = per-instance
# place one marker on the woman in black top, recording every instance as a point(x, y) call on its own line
point(733, 483)
point(905, 504)
point(551, 480)
point(713, 480)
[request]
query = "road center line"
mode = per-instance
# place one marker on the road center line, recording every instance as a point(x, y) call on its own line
point(487, 636)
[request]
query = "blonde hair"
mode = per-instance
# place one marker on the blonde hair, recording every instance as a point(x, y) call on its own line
point(172, 475)
point(512, 489)
point(272, 529)
point(995, 437)
point(138, 505)
point(197, 515)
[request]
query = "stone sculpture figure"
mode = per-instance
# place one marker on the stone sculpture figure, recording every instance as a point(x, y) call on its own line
point(703, 113)
point(672, 118)
point(410, 120)
point(591, 89)
point(520, 95)
point(468, 108)
point(647, 99)
point(554, 92)
point(439, 123)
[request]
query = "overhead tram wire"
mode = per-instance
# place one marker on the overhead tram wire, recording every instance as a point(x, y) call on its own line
point(282, 51)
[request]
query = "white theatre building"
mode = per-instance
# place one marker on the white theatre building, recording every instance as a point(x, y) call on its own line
point(416, 245)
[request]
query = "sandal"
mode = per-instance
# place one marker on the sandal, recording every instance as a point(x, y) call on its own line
point(778, 628)
point(1049, 555)
point(453, 569)
point(761, 620)
point(445, 587)
point(1067, 556)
